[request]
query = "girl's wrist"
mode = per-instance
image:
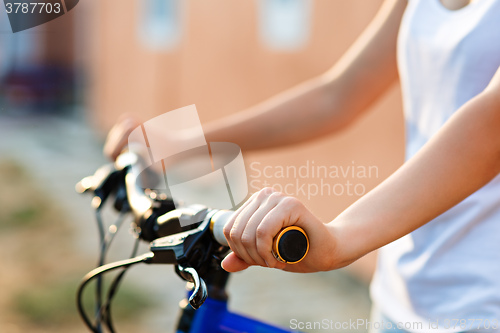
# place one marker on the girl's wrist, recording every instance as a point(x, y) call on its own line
point(347, 243)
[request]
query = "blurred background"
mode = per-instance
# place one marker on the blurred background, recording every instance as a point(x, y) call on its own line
point(65, 83)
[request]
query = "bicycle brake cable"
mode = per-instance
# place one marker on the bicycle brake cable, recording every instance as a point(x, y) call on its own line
point(105, 312)
point(145, 258)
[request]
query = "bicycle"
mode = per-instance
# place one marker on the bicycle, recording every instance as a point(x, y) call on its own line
point(191, 238)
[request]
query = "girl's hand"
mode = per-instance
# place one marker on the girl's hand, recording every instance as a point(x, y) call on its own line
point(251, 230)
point(117, 138)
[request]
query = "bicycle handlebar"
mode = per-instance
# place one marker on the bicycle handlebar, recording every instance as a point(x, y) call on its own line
point(290, 245)
point(189, 237)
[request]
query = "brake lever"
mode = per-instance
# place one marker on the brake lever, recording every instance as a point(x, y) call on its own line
point(102, 183)
point(200, 293)
point(193, 252)
point(180, 248)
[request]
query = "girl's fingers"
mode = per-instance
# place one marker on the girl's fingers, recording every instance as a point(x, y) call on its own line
point(249, 236)
point(237, 231)
point(251, 230)
point(270, 226)
point(117, 137)
point(239, 221)
point(232, 263)
point(233, 230)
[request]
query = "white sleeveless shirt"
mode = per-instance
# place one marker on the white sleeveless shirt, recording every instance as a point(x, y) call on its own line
point(448, 269)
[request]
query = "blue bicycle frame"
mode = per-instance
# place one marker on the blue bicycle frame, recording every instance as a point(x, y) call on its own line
point(214, 317)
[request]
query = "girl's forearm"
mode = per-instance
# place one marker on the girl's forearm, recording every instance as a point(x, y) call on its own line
point(327, 103)
point(290, 117)
point(461, 158)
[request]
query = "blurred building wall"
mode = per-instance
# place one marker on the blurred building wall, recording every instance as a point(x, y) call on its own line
point(37, 66)
point(218, 62)
point(52, 42)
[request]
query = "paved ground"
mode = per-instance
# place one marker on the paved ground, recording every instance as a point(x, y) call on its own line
point(59, 152)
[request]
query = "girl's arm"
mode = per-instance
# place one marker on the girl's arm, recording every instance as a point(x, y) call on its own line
point(461, 158)
point(319, 106)
point(327, 103)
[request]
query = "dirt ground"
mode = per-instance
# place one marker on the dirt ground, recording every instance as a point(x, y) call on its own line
point(40, 269)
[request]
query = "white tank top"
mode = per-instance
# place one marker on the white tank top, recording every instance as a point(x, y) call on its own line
point(448, 269)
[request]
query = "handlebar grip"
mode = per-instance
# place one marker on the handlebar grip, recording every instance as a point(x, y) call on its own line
point(290, 245)
point(217, 223)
